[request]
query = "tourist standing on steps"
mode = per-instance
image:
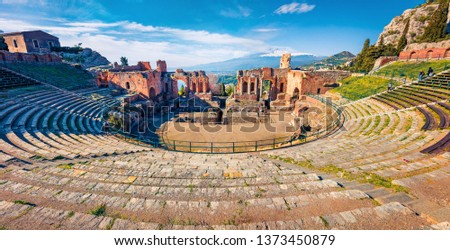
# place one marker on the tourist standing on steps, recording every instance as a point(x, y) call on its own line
point(390, 86)
point(421, 75)
point(106, 127)
point(430, 72)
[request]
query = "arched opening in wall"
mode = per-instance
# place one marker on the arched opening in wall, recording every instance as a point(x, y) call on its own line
point(152, 93)
point(181, 88)
point(19, 57)
point(127, 85)
point(447, 53)
point(296, 94)
point(252, 87)
point(429, 54)
point(267, 90)
point(318, 91)
point(244, 87)
point(282, 87)
point(167, 87)
point(412, 55)
point(194, 87)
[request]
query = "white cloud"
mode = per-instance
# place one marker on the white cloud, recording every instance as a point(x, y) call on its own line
point(294, 8)
point(241, 11)
point(265, 30)
point(280, 52)
point(138, 42)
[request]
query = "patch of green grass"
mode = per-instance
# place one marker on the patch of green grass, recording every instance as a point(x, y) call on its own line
point(110, 224)
point(100, 210)
point(358, 87)
point(21, 202)
point(60, 75)
point(371, 178)
point(2, 228)
point(70, 214)
point(65, 166)
point(409, 124)
point(324, 221)
point(412, 69)
point(191, 188)
point(59, 157)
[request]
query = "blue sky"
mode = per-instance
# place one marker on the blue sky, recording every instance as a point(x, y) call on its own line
point(186, 33)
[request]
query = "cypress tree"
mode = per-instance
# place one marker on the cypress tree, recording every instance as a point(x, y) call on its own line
point(403, 41)
point(437, 27)
point(3, 45)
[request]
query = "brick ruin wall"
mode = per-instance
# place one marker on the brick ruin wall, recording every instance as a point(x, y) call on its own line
point(421, 51)
point(286, 84)
point(155, 84)
point(8, 57)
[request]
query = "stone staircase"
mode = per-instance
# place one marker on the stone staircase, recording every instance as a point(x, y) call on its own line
point(9, 79)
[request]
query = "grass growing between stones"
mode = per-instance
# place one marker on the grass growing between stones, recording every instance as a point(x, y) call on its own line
point(21, 202)
point(65, 166)
point(99, 210)
point(370, 178)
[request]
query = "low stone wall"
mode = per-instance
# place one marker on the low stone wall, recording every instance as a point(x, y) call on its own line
point(420, 51)
point(8, 57)
point(384, 60)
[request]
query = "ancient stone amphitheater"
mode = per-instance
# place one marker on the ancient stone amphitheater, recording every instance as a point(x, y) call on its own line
point(386, 168)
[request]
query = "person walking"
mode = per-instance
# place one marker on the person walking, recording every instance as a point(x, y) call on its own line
point(421, 75)
point(390, 86)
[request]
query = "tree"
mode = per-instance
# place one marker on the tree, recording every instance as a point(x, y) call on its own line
point(182, 91)
point(3, 45)
point(403, 41)
point(230, 90)
point(124, 61)
point(223, 90)
point(436, 29)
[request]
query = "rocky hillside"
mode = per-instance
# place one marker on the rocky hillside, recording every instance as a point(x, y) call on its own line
point(418, 19)
point(87, 58)
point(334, 60)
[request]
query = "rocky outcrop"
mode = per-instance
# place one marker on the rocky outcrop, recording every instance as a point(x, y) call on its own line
point(420, 46)
point(418, 20)
point(87, 58)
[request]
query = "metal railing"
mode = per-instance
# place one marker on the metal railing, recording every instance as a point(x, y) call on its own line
point(238, 146)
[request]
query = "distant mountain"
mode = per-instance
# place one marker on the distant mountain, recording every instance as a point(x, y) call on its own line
point(252, 62)
point(333, 60)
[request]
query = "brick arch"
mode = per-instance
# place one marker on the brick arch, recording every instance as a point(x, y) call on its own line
point(152, 93)
point(296, 93)
point(412, 54)
point(281, 87)
point(194, 87)
point(430, 54)
point(252, 87)
point(244, 87)
point(36, 59)
point(447, 53)
point(19, 57)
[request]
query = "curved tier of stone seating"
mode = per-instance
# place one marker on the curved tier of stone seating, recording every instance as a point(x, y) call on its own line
point(310, 186)
point(166, 190)
point(57, 124)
